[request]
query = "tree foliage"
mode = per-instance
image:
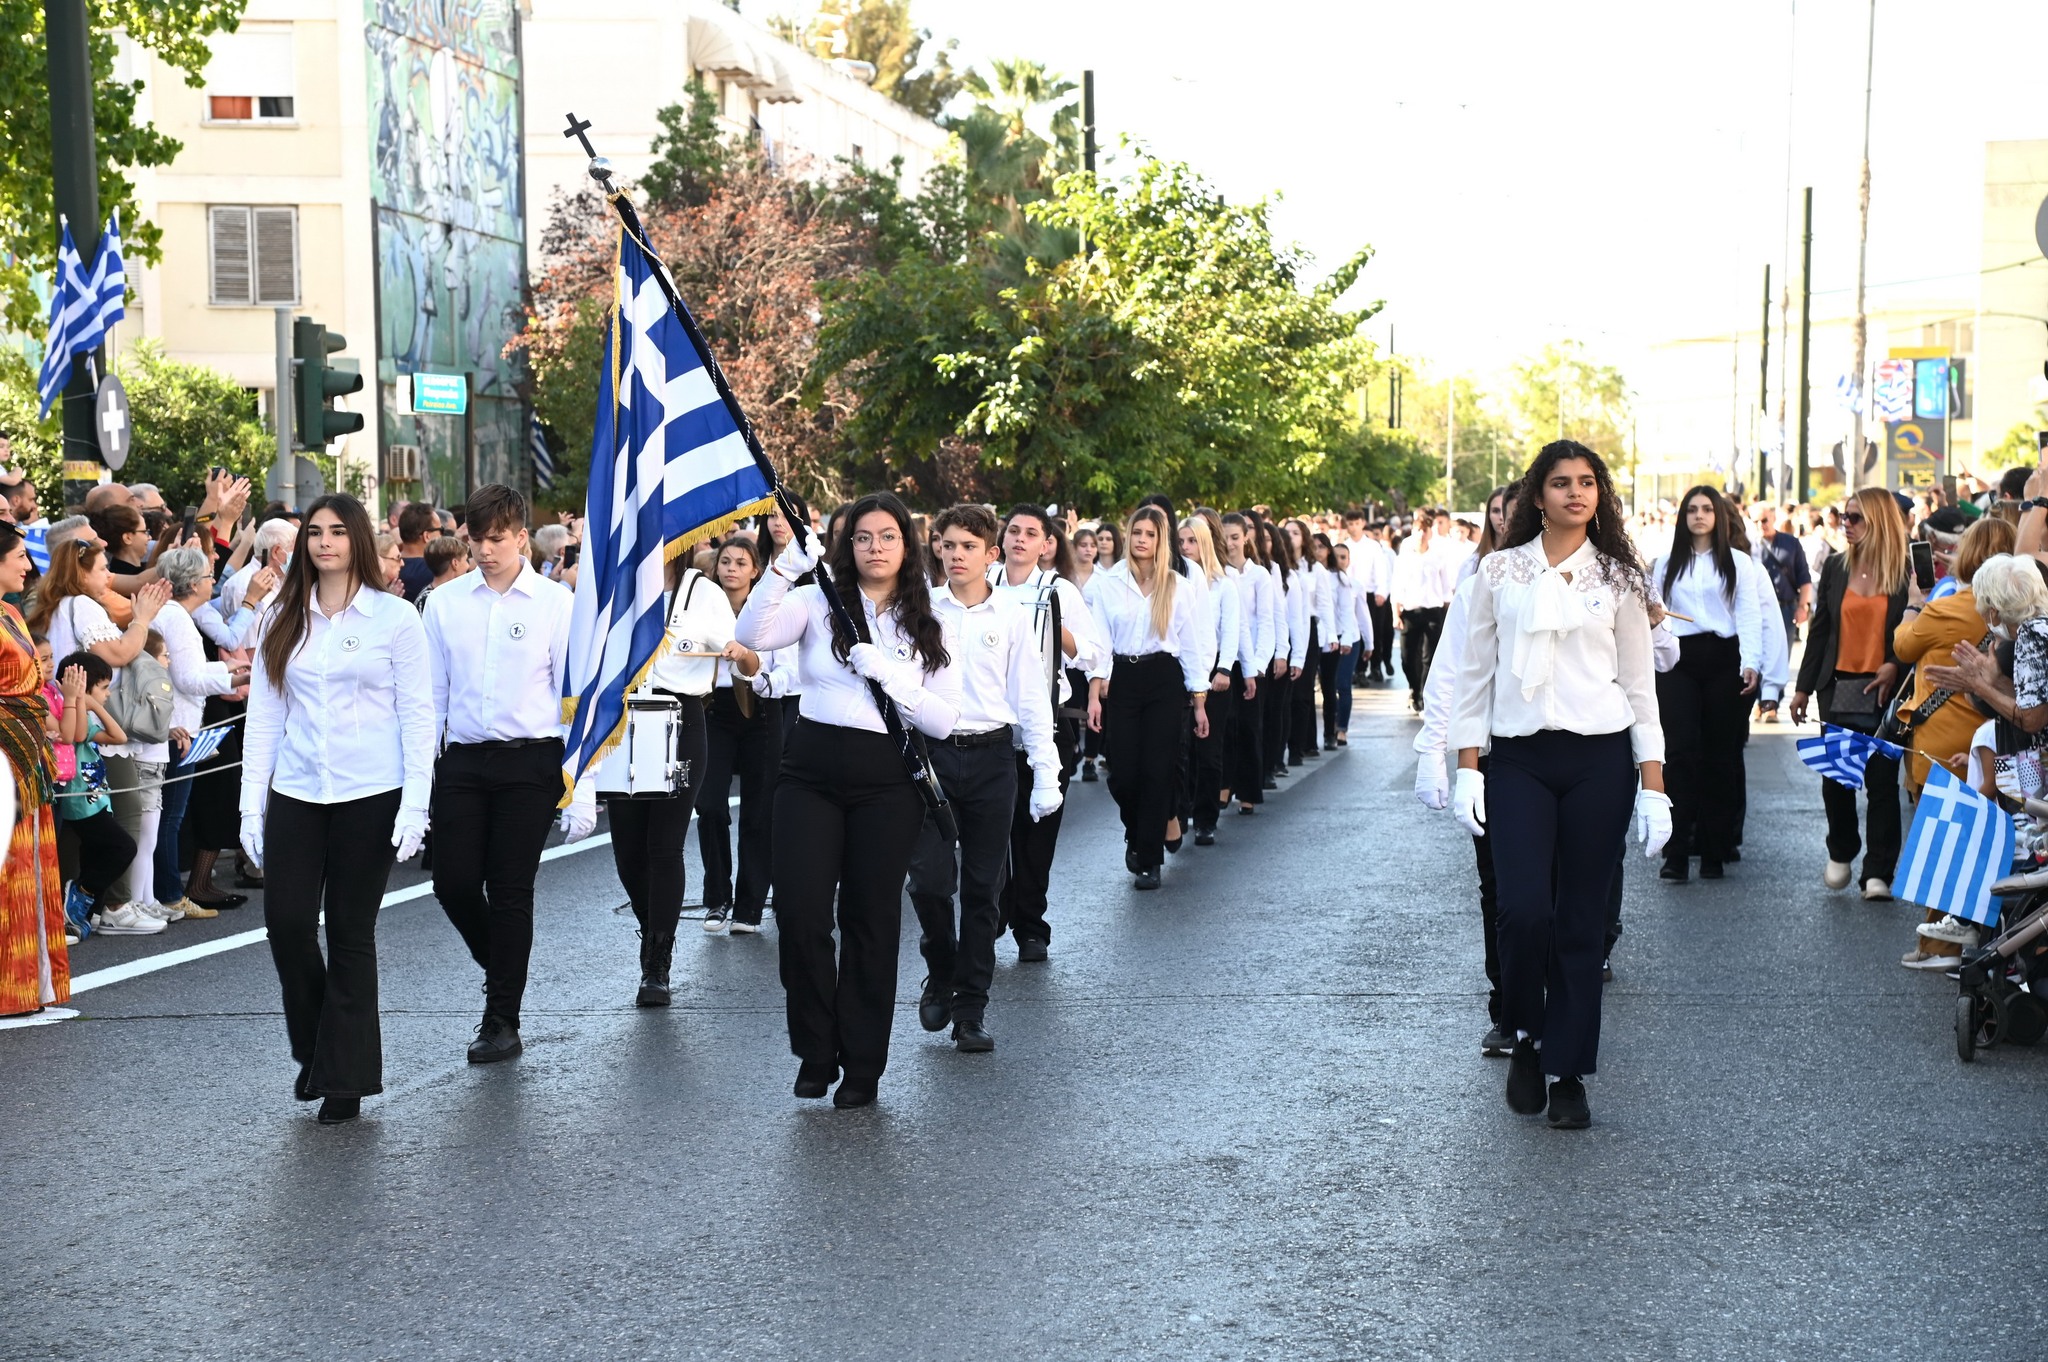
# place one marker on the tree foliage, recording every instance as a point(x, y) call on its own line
point(911, 67)
point(175, 30)
point(1561, 393)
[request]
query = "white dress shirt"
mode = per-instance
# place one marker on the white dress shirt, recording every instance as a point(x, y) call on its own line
point(1344, 609)
point(1297, 593)
point(1776, 671)
point(700, 620)
point(1700, 593)
point(1255, 619)
point(1322, 604)
point(1125, 613)
point(994, 646)
point(1077, 617)
point(776, 616)
point(498, 660)
point(1425, 578)
point(355, 716)
point(193, 678)
point(1372, 567)
point(1555, 648)
point(1226, 611)
point(1361, 605)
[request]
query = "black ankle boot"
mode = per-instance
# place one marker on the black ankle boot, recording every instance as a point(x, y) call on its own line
point(656, 949)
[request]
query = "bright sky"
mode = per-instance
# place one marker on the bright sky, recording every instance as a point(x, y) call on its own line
point(1610, 171)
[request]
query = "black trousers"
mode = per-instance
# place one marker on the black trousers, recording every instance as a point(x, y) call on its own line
point(1248, 739)
point(492, 807)
point(1420, 630)
point(1558, 805)
point(336, 859)
point(1881, 849)
point(1329, 675)
point(1028, 882)
point(104, 850)
point(1382, 638)
point(1705, 715)
point(1301, 733)
point(648, 834)
point(1278, 694)
point(846, 822)
point(1149, 701)
point(751, 749)
point(982, 785)
point(1215, 756)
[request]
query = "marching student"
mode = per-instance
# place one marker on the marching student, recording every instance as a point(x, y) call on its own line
point(1291, 638)
point(497, 653)
point(847, 814)
point(1089, 741)
point(1705, 699)
point(1005, 709)
point(1556, 688)
point(1333, 675)
point(1158, 668)
point(1318, 610)
point(1211, 761)
point(1067, 638)
point(1421, 592)
point(1354, 616)
point(1258, 612)
point(743, 736)
point(337, 763)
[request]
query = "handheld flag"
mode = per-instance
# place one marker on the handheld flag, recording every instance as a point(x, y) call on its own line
point(1840, 754)
point(1960, 842)
point(543, 461)
point(38, 539)
point(206, 744)
point(669, 468)
point(82, 307)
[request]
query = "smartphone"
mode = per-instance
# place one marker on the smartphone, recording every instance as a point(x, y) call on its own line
point(569, 556)
point(1923, 564)
point(191, 523)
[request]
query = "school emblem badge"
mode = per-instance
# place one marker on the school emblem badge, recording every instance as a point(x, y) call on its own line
point(518, 631)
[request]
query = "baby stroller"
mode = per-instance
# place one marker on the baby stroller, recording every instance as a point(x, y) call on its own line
point(2005, 980)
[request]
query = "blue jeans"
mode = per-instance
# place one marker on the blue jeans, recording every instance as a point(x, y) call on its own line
point(170, 884)
point(1347, 667)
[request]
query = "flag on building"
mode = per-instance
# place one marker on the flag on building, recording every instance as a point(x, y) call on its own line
point(669, 468)
point(1960, 842)
point(543, 461)
point(37, 537)
point(1840, 754)
point(206, 744)
point(82, 307)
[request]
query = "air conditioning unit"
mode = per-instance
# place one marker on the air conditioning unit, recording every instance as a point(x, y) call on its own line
point(402, 463)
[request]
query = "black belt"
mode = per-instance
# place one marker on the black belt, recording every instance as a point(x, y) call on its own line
point(988, 739)
point(1135, 658)
point(492, 743)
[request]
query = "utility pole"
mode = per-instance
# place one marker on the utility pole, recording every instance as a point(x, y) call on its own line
point(1088, 121)
point(1763, 387)
point(283, 407)
point(1393, 384)
point(74, 163)
point(1861, 332)
point(1450, 442)
point(1806, 347)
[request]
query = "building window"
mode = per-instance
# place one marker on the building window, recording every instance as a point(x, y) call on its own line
point(249, 78)
point(253, 255)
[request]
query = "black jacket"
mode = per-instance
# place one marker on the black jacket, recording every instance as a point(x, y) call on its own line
point(1824, 631)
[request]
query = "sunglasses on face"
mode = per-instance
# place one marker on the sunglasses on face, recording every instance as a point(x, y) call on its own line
point(1853, 518)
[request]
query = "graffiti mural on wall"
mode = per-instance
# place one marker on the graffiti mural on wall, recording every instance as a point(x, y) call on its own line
point(445, 171)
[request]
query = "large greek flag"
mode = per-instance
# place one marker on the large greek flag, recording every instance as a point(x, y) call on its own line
point(669, 468)
point(1959, 843)
point(82, 307)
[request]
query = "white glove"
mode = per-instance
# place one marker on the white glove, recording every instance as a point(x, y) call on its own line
point(1468, 801)
point(578, 821)
point(1653, 820)
point(796, 559)
point(252, 838)
point(1432, 783)
point(901, 681)
point(1045, 799)
point(408, 832)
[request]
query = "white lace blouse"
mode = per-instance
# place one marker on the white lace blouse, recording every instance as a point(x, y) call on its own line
point(1565, 647)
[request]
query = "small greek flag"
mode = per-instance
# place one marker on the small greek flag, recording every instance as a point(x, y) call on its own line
point(543, 462)
point(38, 539)
point(1840, 754)
point(206, 744)
point(1959, 843)
point(82, 307)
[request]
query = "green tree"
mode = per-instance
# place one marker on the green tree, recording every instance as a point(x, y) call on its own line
point(1560, 393)
point(691, 155)
point(2020, 445)
point(1486, 451)
point(911, 67)
point(175, 30)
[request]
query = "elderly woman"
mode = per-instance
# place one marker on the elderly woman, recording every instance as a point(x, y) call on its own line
point(2012, 600)
point(193, 679)
point(1942, 720)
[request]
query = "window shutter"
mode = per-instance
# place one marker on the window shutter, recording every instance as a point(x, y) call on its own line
point(277, 255)
point(228, 230)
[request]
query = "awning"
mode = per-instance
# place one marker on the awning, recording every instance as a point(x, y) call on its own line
point(729, 49)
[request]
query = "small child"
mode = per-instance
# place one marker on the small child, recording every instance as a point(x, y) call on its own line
point(153, 644)
point(104, 847)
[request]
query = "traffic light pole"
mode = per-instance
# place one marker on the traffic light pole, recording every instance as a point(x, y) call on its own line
point(281, 409)
point(74, 164)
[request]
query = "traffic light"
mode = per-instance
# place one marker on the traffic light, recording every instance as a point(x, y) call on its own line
point(317, 385)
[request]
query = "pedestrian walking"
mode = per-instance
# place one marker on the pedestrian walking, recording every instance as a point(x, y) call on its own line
point(1258, 614)
point(743, 728)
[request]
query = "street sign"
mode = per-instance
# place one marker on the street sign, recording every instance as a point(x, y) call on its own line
point(308, 484)
point(110, 422)
point(438, 394)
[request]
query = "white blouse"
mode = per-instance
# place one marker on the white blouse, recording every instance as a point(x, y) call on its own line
point(777, 616)
point(1125, 614)
point(1700, 593)
point(1565, 647)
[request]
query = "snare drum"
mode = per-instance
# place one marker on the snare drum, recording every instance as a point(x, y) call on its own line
point(644, 765)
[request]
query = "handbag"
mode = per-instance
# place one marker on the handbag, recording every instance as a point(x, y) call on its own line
point(1899, 724)
point(1853, 707)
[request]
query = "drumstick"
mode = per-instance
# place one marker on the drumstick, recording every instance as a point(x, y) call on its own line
point(1674, 615)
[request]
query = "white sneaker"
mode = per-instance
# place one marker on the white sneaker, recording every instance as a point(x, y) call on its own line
point(1836, 876)
point(127, 920)
point(1877, 891)
point(715, 918)
point(740, 928)
point(162, 912)
point(1922, 960)
point(1954, 929)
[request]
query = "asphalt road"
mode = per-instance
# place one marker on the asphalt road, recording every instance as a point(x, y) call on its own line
point(1244, 1117)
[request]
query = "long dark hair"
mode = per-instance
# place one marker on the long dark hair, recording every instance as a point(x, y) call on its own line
point(1279, 553)
point(1720, 549)
point(1108, 530)
point(910, 599)
point(1322, 541)
point(1488, 540)
point(295, 598)
point(1525, 518)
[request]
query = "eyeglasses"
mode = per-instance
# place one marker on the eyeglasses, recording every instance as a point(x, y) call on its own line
point(1853, 518)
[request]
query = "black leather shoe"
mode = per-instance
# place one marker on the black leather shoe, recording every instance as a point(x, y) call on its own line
point(970, 1038)
point(1675, 873)
point(224, 901)
point(1734, 856)
point(1710, 870)
point(934, 1006)
point(656, 951)
point(244, 880)
point(1131, 860)
point(1205, 838)
point(302, 1086)
point(815, 1080)
point(1568, 1109)
point(496, 1039)
point(1173, 847)
point(335, 1110)
point(854, 1092)
point(1148, 879)
point(1497, 1041)
point(1269, 784)
point(1031, 952)
point(1525, 1080)
point(1088, 776)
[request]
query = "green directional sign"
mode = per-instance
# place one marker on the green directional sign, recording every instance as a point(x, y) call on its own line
point(440, 394)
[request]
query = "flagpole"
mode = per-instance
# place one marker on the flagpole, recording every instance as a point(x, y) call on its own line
point(74, 161)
